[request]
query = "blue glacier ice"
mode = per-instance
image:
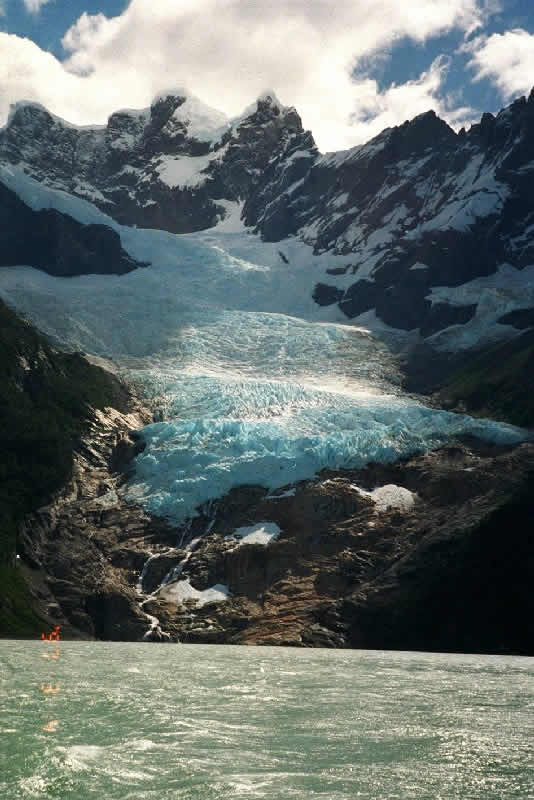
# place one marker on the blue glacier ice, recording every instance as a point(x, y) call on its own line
point(255, 383)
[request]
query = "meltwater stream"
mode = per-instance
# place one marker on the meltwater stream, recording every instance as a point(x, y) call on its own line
point(255, 384)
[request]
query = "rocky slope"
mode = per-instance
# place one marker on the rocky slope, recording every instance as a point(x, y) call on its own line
point(56, 243)
point(81, 554)
point(48, 403)
point(409, 556)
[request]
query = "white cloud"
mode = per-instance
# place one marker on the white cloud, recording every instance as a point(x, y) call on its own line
point(34, 6)
point(228, 51)
point(507, 59)
point(378, 110)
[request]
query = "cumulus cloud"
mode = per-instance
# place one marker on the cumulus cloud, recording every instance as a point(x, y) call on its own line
point(506, 59)
point(34, 6)
point(228, 51)
point(378, 110)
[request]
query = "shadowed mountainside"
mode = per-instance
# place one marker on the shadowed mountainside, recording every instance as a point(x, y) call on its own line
point(47, 402)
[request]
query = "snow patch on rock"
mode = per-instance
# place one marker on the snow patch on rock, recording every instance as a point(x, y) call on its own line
point(508, 289)
point(184, 171)
point(260, 533)
point(389, 497)
point(182, 591)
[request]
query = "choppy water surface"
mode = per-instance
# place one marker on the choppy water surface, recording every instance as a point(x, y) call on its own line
point(157, 722)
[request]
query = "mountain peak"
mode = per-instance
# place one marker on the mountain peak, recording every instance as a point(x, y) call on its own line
point(202, 122)
point(178, 92)
point(423, 131)
point(269, 97)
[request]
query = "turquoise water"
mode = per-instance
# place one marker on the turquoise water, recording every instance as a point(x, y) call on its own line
point(147, 721)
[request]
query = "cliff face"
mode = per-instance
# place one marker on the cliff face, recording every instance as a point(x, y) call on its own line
point(432, 553)
point(81, 554)
point(48, 402)
point(56, 243)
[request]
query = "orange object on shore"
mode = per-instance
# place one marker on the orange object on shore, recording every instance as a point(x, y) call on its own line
point(54, 636)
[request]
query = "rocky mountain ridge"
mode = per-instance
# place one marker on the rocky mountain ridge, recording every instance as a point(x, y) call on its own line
point(164, 167)
point(437, 224)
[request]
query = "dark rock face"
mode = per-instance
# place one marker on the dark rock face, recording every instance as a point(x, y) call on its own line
point(417, 207)
point(325, 295)
point(521, 318)
point(56, 243)
point(83, 553)
point(448, 593)
point(120, 168)
point(497, 381)
point(437, 572)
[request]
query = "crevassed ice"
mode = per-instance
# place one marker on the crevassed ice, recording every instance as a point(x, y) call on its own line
point(254, 382)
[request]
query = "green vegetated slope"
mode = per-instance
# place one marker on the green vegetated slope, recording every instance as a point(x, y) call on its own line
point(497, 383)
point(46, 402)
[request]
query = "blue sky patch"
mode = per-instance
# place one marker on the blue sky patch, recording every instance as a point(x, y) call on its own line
point(48, 27)
point(407, 60)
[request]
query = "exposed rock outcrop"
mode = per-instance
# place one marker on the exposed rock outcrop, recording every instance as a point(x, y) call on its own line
point(157, 168)
point(64, 426)
point(439, 559)
point(405, 556)
point(83, 553)
point(417, 208)
point(56, 243)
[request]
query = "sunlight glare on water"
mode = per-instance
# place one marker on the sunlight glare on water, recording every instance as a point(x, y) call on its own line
point(154, 722)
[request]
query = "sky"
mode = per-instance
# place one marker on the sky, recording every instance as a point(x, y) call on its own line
point(350, 67)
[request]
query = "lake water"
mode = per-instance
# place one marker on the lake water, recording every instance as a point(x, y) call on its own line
point(158, 722)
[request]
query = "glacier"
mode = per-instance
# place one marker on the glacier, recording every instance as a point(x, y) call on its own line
point(252, 381)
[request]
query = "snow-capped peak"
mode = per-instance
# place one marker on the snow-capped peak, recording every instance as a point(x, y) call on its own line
point(269, 96)
point(176, 91)
point(203, 123)
point(266, 99)
point(35, 108)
